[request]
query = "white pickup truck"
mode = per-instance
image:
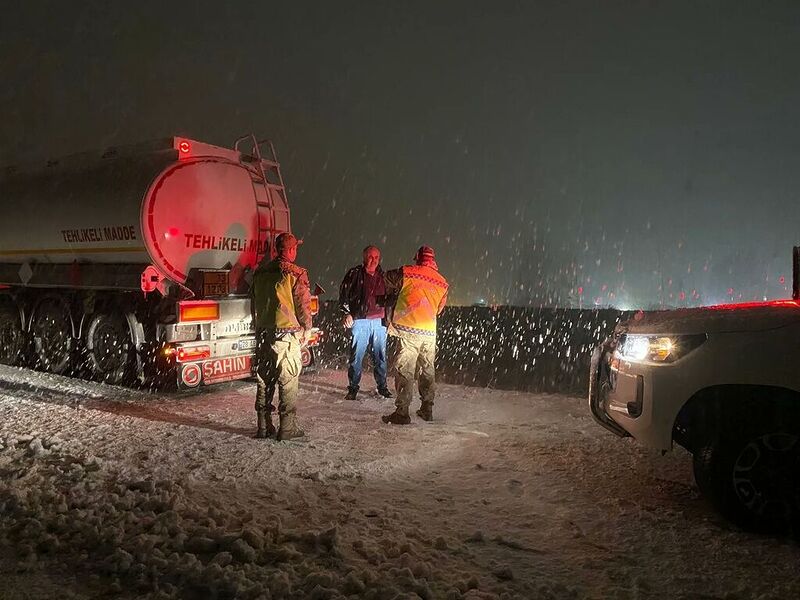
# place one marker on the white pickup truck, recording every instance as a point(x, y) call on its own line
point(724, 383)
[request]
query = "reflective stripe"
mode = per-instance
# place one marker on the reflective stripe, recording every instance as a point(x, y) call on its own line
point(415, 331)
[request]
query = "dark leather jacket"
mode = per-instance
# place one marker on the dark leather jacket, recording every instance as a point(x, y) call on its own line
point(353, 293)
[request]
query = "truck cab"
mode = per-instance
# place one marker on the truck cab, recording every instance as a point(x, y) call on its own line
point(723, 382)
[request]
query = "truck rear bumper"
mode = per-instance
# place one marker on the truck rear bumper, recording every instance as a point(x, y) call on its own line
point(229, 359)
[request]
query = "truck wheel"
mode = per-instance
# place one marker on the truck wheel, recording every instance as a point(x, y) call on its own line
point(753, 481)
point(109, 348)
point(52, 336)
point(11, 336)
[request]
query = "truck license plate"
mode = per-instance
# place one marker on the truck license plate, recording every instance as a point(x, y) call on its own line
point(247, 344)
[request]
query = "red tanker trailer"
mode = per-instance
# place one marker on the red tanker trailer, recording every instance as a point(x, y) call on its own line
point(137, 261)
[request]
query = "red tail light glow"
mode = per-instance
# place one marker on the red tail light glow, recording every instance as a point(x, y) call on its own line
point(196, 353)
point(784, 303)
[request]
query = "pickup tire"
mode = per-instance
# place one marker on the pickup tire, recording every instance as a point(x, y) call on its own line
point(753, 479)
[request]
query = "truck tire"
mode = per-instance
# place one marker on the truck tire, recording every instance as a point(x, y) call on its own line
point(52, 336)
point(109, 348)
point(753, 480)
point(11, 336)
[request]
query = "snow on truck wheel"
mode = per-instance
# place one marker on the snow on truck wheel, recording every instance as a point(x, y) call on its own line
point(11, 335)
point(109, 348)
point(52, 335)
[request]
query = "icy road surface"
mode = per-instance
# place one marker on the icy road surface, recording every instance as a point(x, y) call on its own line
point(108, 492)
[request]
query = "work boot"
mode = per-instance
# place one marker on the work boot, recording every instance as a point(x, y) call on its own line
point(425, 412)
point(398, 417)
point(265, 427)
point(351, 394)
point(385, 392)
point(289, 429)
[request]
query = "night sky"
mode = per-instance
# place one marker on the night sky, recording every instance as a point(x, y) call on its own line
point(645, 153)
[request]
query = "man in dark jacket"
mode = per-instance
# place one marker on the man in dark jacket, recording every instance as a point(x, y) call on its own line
point(359, 295)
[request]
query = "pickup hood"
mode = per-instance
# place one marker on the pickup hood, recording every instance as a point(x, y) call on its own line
point(716, 319)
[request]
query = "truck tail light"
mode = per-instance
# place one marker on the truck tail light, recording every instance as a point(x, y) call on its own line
point(195, 353)
point(314, 305)
point(201, 310)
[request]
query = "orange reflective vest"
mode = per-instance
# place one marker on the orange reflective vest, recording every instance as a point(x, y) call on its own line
point(281, 297)
point(421, 298)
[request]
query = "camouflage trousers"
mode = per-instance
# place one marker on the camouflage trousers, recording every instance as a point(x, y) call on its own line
point(413, 358)
point(278, 363)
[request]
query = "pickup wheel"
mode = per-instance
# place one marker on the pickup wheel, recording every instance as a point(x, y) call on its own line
point(109, 348)
point(754, 480)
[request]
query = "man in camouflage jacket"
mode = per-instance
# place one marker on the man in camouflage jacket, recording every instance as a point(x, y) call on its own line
point(282, 306)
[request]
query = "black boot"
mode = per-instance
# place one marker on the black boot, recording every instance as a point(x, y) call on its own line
point(265, 427)
point(398, 417)
point(384, 391)
point(425, 411)
point(289, 429)
point(351, 394)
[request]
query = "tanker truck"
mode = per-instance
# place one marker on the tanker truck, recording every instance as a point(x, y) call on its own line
point(135, 263)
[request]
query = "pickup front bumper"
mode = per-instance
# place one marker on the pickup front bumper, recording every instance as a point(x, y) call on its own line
point(600, 384)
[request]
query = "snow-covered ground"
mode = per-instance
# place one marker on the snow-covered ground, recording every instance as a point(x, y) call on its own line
point(108, 492)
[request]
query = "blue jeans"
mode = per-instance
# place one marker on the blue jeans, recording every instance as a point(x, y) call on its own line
point(367, 332)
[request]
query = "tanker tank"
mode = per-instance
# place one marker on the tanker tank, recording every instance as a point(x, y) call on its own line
point(96, 220)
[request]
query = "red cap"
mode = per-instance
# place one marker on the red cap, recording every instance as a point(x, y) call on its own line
point(424, 253)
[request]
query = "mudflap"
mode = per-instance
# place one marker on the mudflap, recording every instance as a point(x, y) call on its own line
point(309, 358)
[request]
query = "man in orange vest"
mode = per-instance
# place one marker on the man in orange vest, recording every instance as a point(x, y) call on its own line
point(421, 294)
point(282, 304)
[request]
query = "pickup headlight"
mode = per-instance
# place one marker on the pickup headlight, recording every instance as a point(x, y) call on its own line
point(657, 348)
